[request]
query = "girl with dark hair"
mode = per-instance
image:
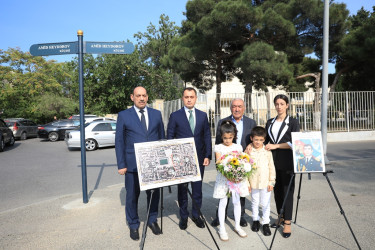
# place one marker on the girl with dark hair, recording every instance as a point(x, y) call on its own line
point(279, 136)
point(228, 132)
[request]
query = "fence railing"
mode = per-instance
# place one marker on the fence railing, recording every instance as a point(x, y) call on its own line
point(346, 111)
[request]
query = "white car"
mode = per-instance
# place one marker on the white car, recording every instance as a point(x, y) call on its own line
point(97, 133)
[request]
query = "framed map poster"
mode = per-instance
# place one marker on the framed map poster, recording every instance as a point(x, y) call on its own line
point(165, 163)
point(308, 153)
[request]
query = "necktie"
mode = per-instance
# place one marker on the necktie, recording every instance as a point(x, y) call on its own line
point(143, 120)
point(191, 121)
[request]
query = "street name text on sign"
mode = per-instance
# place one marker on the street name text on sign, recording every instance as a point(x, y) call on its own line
point(108, 48)
point(47, 49)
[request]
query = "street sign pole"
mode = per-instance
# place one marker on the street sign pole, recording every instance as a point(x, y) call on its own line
point(82, 116)
point(80, 48)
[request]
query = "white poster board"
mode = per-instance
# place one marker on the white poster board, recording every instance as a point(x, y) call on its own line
point(308, 153)
point(165, 163)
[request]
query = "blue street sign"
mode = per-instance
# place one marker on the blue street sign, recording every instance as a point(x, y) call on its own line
point(108, 48)
point(46, 49)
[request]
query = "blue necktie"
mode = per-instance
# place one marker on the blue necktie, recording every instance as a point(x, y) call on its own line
point(143, 120)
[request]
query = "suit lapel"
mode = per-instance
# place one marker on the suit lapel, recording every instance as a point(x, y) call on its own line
point(138, 121)
point(284, 127)
point(270, 130)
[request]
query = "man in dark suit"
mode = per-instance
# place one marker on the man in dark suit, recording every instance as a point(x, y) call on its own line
point(137, 124)
point(309, 163)
point(244, 126)
point(184, 123)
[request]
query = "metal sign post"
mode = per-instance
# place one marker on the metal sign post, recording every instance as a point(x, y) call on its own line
point(81, 48)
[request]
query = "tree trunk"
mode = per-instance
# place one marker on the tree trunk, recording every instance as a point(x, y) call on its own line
point(218, 92)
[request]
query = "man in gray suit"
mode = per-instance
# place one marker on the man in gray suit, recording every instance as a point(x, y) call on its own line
point(244, 126)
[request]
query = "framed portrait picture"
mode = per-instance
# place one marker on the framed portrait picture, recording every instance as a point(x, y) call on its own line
point(308, 153)
point(165, 163)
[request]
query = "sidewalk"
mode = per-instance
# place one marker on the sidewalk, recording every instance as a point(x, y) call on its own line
point(66, 223)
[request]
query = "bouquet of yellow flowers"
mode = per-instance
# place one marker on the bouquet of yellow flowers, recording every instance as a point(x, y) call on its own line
point(236, 166)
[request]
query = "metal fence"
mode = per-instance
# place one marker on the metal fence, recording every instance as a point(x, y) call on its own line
point(347, 111)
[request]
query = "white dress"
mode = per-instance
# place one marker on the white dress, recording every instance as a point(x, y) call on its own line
point(221, 187)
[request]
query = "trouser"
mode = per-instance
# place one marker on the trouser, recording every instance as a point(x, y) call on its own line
point(261, 197)
point(182, 195)
point(131, 203)
point(280, 190)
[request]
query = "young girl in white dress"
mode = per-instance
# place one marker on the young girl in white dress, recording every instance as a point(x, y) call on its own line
point(229, 134)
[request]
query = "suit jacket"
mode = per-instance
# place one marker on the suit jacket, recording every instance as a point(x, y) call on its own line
point(312, 165)
point(283, 158)
point(178, 127)
point(248, 125)
point(129, 131)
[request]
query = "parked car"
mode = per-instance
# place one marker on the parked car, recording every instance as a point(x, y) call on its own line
point(55, 131)
point(97, 134)
point(77, 117)
point(91, 118)
point(22, 128)
point(6, 136)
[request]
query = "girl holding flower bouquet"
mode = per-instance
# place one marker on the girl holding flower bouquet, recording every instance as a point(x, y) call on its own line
point(234, 167)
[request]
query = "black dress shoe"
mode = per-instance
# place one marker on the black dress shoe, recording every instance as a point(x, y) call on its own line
point(183, 224)
point(134, 234)
point(255, 226)
point(243, 222)
point(199, 222)
point(155, 228)
point(215, 222)
point(266, 230)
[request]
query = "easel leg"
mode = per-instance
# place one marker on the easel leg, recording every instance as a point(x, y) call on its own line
point(145, 225)
point(298, 197)
point(201, 215)
point(282, 208)
point(161, 209)
point(341, 210)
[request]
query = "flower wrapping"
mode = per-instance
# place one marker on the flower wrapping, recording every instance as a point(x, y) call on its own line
point(236, 167)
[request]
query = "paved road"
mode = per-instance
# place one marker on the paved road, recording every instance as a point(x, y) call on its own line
point(53, 217)
point(40, 185)
point(36, 170)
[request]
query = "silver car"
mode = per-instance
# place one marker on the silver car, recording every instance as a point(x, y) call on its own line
point(98, 134)
point(22, 128)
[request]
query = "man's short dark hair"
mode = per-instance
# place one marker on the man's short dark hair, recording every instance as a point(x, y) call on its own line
point(189, 89)
point(308, 145)
point(258, 131)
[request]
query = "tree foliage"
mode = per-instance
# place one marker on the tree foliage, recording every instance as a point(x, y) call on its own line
point(356, 57)
point(25, 80)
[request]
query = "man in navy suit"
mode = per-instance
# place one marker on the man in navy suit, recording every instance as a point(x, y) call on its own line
point(244, 126)
point(184, 123)
point(137, 124)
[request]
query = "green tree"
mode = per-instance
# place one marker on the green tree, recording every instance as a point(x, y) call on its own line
point(356, 56)
point(153, 45)
point(25, 79)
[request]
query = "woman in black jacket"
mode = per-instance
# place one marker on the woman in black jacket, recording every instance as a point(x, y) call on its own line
point(279, 138)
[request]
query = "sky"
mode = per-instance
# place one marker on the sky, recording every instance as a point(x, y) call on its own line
point(24, 22)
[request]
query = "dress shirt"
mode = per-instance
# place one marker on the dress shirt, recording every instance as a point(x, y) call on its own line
point(188, 115)
point(139, 114)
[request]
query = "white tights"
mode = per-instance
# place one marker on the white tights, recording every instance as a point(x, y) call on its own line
point(236, 207)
